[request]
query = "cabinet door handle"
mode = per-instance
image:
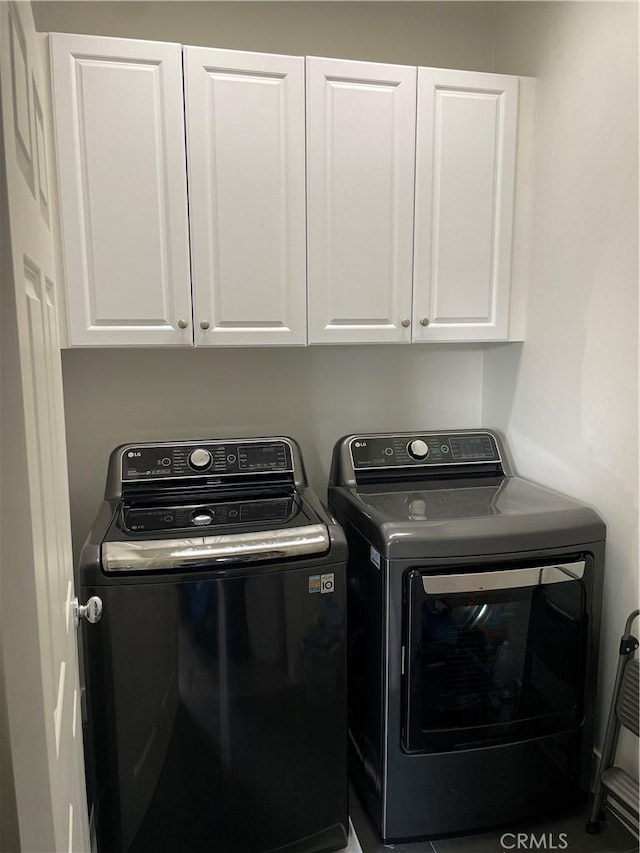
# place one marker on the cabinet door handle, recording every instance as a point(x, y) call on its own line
point(406, 323)
point(182, 324)
point(424, 321)
point(204, 325)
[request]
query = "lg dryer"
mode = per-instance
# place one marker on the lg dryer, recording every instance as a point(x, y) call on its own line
point(215, 677)
point(473, 614)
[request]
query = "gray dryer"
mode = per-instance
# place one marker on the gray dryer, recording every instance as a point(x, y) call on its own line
point(473, 625)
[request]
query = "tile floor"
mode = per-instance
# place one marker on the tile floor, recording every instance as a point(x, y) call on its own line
point(613, 838)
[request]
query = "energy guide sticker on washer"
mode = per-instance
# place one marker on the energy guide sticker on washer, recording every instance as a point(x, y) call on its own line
point(314, 583)
point(327, 583)
point(322, 583)
point(375, 557)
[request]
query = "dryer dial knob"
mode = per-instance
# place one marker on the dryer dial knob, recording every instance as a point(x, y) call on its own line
point(418, 449)
point(199, 459)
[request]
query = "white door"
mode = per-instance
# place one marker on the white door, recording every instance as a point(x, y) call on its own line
point(465, 175)
point(38, 634)
point(245, 145)
point(119, 119)
point(360, 176)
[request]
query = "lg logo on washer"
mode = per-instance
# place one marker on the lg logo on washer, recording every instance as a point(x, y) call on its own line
point(322, 583)
point(530, 841)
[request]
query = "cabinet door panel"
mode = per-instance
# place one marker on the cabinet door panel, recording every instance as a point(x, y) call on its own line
point(121, 159)
point(245, 131)
point(361, 153)
point(466, 142)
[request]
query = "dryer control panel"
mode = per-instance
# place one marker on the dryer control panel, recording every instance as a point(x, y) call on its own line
point(410, 450)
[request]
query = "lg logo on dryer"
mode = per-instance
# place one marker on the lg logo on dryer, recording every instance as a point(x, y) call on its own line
point(322, 583)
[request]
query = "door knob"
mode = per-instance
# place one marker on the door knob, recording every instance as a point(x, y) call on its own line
point(406, 323)
point(91, 611)
point(424, 321)
point(182, 324)
point(204, 325)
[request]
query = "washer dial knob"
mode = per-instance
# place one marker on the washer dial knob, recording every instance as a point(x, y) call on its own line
point(418, 449)
point(199, 459)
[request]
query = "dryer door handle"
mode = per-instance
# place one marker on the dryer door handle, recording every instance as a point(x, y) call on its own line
point(502, 579)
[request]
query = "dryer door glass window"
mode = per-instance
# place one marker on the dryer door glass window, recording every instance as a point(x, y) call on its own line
point(493, 657)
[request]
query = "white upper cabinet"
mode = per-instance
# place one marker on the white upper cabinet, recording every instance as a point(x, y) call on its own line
point(360, 181)
point(391, 225)
point(245, 141)
point(121, 158)
point(465, 173)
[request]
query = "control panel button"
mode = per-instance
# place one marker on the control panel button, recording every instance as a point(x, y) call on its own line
point(199, 459)
point(388, 451)
point(418, 449)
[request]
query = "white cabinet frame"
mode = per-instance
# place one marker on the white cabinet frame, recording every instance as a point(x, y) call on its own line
point(360, 178)
point(465, 181)
point(247, 206)
point(119, 125)
point(394, 224)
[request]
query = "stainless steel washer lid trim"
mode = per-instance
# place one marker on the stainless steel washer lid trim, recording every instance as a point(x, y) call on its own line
point(167, 554)
point(504, 579)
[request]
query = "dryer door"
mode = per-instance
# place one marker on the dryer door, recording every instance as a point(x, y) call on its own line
point(493, 655)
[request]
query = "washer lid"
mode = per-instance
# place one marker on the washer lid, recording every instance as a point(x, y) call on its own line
point(482, 517)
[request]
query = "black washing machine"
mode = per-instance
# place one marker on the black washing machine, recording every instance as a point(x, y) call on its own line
point(215, 667)
point(474, 613)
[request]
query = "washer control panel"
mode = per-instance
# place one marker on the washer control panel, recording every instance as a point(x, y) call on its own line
point(400, 451)
point(219, 458)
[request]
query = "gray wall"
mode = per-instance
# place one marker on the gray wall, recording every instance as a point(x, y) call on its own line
point(451, 35)
point(314, 394)
point(569, 401)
